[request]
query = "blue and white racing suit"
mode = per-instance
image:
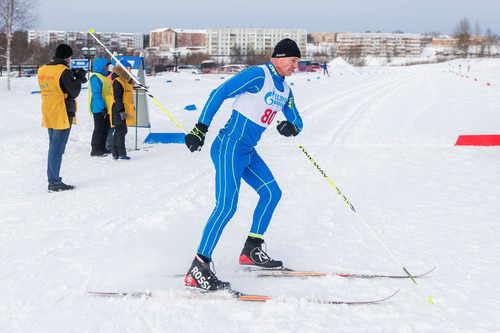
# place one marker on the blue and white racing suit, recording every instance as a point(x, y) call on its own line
point(260, 93)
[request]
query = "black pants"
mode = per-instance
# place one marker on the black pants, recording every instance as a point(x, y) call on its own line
point(101, 128)
point(119, 141)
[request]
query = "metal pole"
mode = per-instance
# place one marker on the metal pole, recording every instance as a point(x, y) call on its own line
point(137, 106)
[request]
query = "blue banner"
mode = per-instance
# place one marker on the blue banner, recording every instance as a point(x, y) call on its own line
point(80, 63)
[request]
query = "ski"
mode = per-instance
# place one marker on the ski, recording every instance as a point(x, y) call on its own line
point(135, 294)
point(234, 295)
point(286, 272)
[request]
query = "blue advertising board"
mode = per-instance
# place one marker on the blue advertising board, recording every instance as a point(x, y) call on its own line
point(80, 63)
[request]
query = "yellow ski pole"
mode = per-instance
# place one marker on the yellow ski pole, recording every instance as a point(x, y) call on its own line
point(91, 32)
point(429, 299)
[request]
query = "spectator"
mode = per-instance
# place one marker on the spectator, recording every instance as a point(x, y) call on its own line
point(59, 86)
point(123, 106)
point(99, 103)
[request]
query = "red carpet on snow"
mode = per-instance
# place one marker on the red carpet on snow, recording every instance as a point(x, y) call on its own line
point(478, 140)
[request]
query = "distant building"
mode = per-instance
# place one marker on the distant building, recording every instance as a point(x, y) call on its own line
point(167, 39)
point(191, 38)
point(123, 40)
point(379, 44)
point(163, 39)
point(229, 41)
point(450, 42)
point(323, 37)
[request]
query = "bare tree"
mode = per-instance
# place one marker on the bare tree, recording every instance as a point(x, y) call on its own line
point(353, 55)
point(14, 15)
point(195, 58)
point(462, 33)
point(478, 40)
point(237, 55)
point(489, 42)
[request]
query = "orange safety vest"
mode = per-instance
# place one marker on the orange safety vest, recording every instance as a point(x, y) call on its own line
point(54, 113)
point(128, 101)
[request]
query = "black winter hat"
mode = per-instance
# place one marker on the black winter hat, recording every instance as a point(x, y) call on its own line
point(286, 48)
point(64, 51)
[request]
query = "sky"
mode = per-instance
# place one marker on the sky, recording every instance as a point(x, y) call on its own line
point(314, 15)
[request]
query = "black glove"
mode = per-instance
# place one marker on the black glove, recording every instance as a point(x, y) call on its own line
point(80, 73)
point(286, 128)
point(196, 138)
point(123, 115)
point(104, 112)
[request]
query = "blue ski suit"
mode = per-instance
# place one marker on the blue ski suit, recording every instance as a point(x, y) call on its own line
point(233, 150)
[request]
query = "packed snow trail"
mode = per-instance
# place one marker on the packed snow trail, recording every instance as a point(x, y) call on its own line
point(384, 135)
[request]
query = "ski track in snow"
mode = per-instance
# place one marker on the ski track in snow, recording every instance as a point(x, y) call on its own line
point(384, 136)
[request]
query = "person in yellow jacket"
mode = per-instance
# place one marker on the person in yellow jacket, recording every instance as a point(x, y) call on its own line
point(122, 108)
point(59, 86)
point(99, 104)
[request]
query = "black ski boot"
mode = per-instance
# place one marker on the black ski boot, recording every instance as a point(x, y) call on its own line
point(201, 277)
point(253, 255)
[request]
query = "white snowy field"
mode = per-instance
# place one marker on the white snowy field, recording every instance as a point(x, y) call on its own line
point(385, 137)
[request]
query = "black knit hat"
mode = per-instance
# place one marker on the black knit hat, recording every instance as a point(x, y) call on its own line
point(64, 51)
point(286, 48)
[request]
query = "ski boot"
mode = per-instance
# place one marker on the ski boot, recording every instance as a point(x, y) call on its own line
point(201, 277)
point(253, 255)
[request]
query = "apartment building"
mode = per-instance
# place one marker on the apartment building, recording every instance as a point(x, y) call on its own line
point(168, 39)
point(225, 41)
point(379, 44)
point(123, 40)
point(323, 37)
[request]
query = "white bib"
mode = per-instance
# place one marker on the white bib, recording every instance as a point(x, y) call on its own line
point(261, 108)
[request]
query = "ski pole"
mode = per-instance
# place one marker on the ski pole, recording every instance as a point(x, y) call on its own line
point(429, 299)
point(91, 32)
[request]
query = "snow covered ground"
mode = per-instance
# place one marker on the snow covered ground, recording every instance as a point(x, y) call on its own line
point(385, 136)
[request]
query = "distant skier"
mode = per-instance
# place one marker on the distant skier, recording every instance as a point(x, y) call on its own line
point(325, 69)
point(261, 92)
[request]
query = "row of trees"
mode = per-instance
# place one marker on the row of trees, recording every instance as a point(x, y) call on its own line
point(14, 15)
point(158, 60)
point(472, 42)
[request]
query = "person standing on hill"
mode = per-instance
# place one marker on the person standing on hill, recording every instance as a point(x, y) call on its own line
point(100, 94)
point(59, 86)
point(261, 92)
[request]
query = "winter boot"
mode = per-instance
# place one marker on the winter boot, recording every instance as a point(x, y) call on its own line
point(253, 255)
point(98, 153)
point(200, 277)
point(60, 187)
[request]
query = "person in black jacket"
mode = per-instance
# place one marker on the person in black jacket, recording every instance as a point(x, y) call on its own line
point(123, 107)
point(59, 86)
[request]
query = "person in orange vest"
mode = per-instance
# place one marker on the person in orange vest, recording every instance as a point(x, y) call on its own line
point(59, 86)
point(122, 107)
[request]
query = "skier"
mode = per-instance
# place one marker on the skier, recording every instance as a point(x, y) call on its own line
point(325, 69)
point(99, 104)
point(60, 86)
point(260, 93)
